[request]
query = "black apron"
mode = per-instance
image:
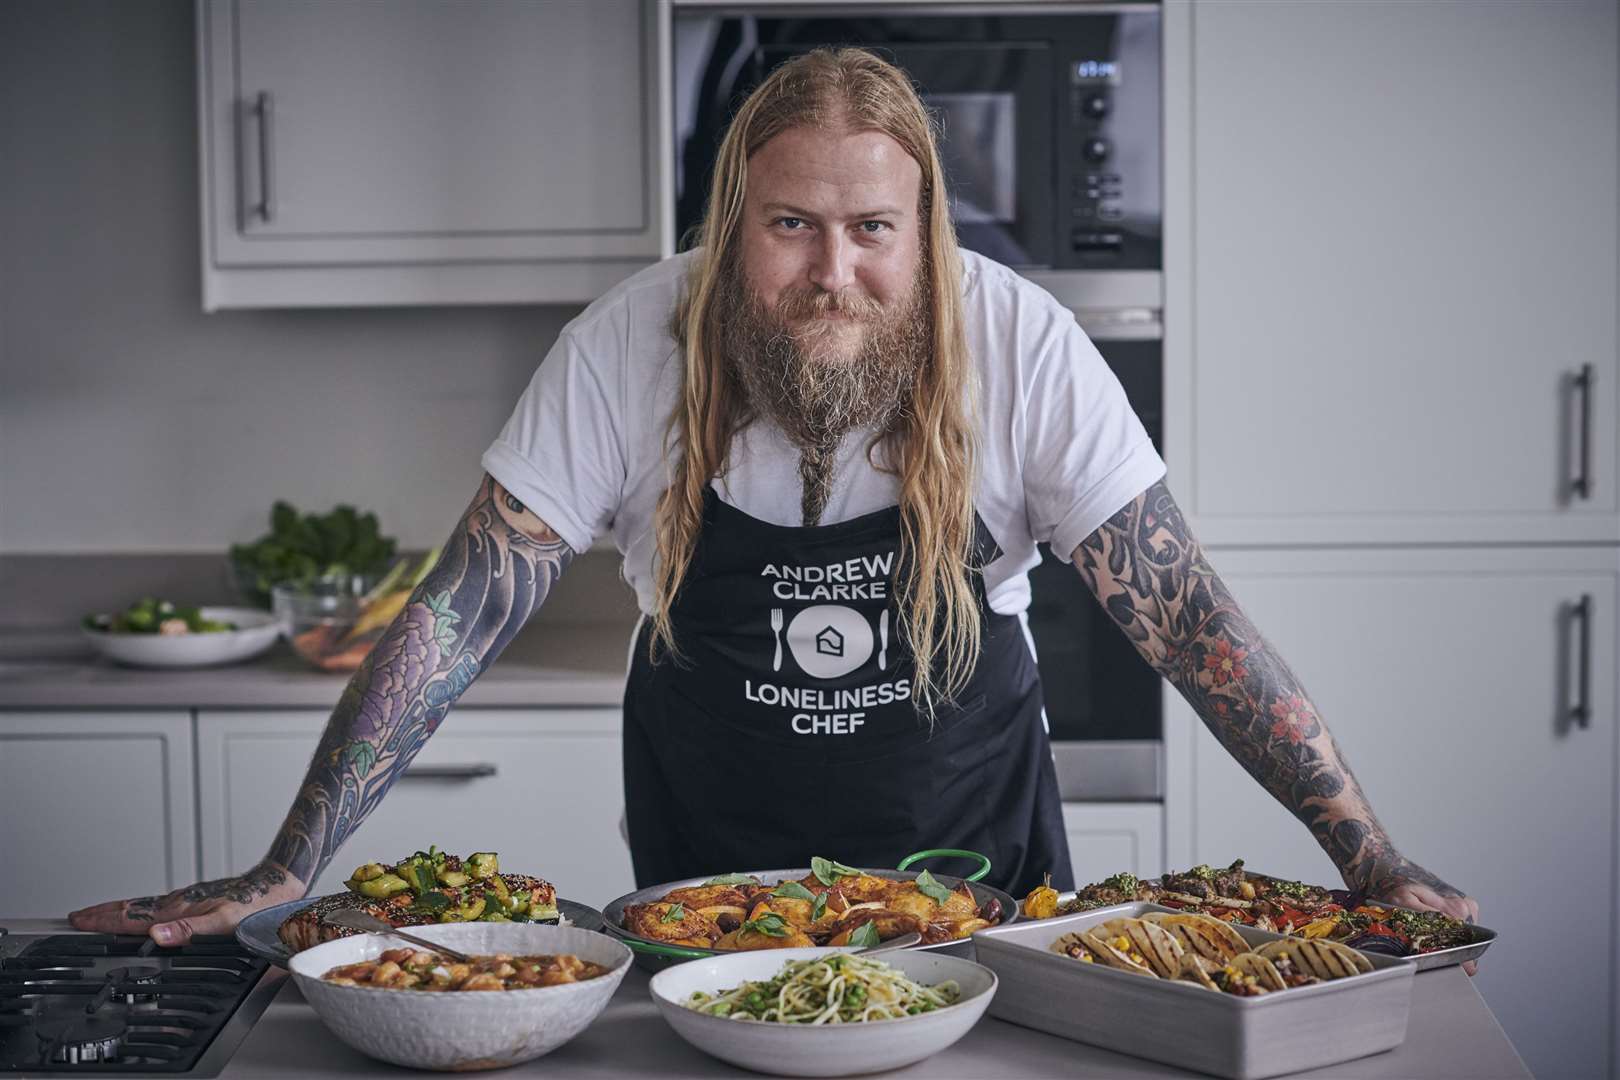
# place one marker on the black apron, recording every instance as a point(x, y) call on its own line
point(790, 731)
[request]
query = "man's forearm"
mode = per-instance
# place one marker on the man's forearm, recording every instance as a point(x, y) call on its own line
point(1154, 581)
point(496, 569)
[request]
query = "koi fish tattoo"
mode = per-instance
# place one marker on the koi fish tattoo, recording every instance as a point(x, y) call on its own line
point(497, 568)
point(1153, 579)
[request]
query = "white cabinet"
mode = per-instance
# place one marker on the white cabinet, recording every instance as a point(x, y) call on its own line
point(96, 806)
point(542, 787)
point(424, 151)
point(1110, 838)
point(1448, 678)
point(1392, 231)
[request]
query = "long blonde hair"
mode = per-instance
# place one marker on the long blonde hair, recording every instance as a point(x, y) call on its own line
point(930, 445)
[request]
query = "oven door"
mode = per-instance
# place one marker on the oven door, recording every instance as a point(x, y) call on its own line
point(1104, 705)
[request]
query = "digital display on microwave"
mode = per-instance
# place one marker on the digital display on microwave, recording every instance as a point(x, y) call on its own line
point(1093, 72)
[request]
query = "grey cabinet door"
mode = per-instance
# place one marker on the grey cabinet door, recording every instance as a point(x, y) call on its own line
point(1402, 251)
point(97, 806)
point(541, 787)
point(429, 131)
point(1447, 678)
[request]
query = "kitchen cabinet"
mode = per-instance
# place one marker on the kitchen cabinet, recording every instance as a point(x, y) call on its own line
point(98, 805)
point(1106, 838)
point(1450, 680)
point(542, 787)
point(420, 152)
point(1392, 241)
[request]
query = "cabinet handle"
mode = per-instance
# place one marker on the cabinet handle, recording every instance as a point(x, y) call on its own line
point(1581, 485)
point(1580, 713)
point(448, 772)
point(264, 108)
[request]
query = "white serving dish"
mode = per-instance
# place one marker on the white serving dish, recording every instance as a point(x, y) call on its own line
point(468, 1030)
point(826, 1049)
point(257, 631)
point(1184, 1025)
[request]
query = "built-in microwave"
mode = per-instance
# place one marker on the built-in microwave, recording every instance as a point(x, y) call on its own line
point(1049, 124)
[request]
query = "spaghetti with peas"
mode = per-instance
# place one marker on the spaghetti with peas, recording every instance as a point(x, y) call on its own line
point(840, 988)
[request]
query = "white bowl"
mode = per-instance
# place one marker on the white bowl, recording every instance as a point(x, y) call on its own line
point(256, 631)
point(469, 1030)
point(824, 1049)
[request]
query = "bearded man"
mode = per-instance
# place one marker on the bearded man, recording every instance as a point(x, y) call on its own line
point(826, 442)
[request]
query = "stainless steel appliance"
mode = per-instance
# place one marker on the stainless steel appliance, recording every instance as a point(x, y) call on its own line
point(88, 1003)
point(1050, 125)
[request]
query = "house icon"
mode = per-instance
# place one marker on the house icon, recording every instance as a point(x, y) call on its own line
point(830, 642)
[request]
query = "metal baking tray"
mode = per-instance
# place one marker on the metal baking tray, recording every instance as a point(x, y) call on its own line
point(1185, 1025)
point(1480, 937)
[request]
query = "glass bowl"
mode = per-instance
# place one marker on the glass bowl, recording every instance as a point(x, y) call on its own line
point(326, 620)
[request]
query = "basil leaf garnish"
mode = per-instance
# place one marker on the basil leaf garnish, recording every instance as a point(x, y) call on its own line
point(733, 879)
point(866, 936)
point(819, 908)
point(931, 888)
point(674, 914)
point(792, 890)
point(771, 925)
point(828, 871)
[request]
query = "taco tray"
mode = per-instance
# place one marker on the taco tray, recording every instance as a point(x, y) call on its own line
point(1480, 937)
point(1243, 1038)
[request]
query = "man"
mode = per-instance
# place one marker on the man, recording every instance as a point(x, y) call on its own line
point(826, 442)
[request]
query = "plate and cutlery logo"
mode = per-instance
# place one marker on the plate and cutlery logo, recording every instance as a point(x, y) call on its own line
point(829, 640)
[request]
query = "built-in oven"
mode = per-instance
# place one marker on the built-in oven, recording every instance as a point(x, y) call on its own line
point(1049, 126)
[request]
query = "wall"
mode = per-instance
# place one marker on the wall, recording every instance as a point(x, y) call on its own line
point(132, 422)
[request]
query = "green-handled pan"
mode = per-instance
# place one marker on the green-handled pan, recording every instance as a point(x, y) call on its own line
point(653, 955)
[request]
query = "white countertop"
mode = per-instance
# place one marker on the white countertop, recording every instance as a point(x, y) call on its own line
point(1452, 1035)
point(546, 665)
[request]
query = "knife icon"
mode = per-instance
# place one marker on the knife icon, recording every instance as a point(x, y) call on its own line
point(883, 640)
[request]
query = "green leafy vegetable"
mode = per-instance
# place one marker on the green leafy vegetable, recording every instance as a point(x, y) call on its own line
point(733, 879)
point(431, 903)
point(932, 888)
point(305, 547)
point(772, 925)
point(674, 914)
point(792, 890)
point(866, 936)
point(819, 908)
point(828, 871)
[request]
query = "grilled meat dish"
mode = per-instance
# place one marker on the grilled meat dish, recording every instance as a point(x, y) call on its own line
point(428, 887)
point(673, 924)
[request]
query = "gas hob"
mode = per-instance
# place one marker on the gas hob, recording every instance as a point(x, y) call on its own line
point(95, 1003)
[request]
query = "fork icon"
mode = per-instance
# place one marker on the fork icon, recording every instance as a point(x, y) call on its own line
point(776, 633)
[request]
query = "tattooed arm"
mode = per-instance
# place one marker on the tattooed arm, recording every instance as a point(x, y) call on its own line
point(1151, 575)
point(496, 569)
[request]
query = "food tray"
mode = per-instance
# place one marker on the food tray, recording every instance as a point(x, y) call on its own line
point(1457, 954)
point(1185, 1025)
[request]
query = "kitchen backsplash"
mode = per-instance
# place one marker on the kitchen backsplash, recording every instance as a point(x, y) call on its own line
point(49, 593)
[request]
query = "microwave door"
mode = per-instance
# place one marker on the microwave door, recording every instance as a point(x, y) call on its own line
point(992, 106)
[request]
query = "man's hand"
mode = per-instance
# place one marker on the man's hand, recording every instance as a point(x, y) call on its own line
point(1403, 882)
point(209, 907)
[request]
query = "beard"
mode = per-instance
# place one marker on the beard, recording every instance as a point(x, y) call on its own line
point(818, 376)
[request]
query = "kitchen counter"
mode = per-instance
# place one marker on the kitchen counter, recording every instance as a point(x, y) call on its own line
point(1452, 1034)
point(548, 664)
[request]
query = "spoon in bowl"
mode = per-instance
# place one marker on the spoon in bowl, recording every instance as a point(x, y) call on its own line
point(358, 920)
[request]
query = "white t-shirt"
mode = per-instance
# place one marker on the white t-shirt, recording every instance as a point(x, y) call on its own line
point(1061, 450)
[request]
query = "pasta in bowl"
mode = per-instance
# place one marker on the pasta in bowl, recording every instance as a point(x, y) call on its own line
point(823, 1012)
